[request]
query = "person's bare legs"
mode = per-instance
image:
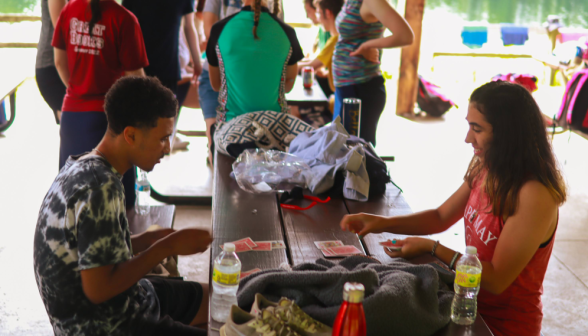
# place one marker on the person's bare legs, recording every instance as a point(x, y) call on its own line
point(209, 122)
point(201, 318)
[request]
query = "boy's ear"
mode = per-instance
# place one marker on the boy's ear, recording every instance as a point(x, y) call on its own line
point(328, 14)
point(130, 135)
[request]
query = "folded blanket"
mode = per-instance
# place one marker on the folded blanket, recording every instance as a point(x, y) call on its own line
point(400, 298)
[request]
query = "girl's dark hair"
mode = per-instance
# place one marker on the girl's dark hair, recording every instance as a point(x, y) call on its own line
point(519, 150)
point(96, 14)
point(138, 102)
point(333, 5)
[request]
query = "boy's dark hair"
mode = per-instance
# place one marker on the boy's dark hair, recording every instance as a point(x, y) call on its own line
point(310, 2)
point(333, 5)
point(138, 102)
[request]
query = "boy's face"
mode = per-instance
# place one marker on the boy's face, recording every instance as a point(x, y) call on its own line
point(310, 13)
point(152, 144)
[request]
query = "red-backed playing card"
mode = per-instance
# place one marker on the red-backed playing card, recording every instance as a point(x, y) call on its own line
point(263, 246)
point(327, 253)
point(240, 246)
point(248, 241)
point(244, 274)
point(328, 243)
point(345, 250)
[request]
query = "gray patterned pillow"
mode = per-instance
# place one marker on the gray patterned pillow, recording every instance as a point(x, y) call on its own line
point(262, 129)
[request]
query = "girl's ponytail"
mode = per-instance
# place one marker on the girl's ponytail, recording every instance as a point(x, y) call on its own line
point(96, 14)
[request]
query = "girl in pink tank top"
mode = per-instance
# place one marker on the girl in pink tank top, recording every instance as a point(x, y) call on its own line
point(509, 202)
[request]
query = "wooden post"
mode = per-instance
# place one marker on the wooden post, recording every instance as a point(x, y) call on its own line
point(409, 59)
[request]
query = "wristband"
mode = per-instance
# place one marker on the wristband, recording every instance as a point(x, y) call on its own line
point(434, 248)
point(454, 259)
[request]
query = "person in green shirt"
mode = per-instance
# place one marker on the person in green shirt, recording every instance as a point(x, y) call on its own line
point(252, 57)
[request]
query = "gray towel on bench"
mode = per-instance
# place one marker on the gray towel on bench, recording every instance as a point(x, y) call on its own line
point(400, 298)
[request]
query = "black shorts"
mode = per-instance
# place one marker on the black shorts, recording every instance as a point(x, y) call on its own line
point(179, 302)
point(51, 87)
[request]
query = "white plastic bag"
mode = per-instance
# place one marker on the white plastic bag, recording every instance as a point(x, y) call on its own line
point(260, 171)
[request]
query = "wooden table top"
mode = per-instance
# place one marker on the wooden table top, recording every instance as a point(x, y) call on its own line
point(299, 95)
point(238, 214)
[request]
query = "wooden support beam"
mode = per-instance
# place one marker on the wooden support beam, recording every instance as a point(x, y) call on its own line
point(18, 18)
point(409, 59)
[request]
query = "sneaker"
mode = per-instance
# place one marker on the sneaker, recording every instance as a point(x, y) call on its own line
point(241, 323)
point(291, 314)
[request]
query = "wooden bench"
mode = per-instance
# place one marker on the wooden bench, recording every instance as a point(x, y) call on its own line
point(238, 214)
point(8, 87)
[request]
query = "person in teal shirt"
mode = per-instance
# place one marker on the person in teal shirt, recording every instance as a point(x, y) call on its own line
point(252, 57)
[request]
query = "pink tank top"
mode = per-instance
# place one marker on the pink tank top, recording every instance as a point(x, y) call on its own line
point(518, 310)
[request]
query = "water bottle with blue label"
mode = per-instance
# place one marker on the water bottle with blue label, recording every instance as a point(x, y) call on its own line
point(143, 192)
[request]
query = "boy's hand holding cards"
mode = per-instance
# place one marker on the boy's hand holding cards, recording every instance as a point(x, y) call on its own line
point(247, 244)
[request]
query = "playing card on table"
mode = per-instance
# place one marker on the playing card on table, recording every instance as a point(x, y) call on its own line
point(244, 274)
point(344, 250)
point(328, 253)
point(240, 246)
point(263, 246)
point(328, 243)
point(278, 244)
point(248, 241)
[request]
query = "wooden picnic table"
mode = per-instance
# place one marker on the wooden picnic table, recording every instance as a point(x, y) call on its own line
point(238, 214)
point(301, 97)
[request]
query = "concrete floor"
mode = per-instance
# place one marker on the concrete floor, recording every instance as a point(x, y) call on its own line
point(431, 158)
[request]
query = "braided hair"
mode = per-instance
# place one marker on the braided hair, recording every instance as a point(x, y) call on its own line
point(256, 15)
point(96, 14)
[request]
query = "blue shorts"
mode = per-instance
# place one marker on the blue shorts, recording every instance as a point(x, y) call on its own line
point(207, 96)
point(81, 132)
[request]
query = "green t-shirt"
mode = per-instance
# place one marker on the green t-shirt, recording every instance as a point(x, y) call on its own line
point(323, 38)
point(253, 71)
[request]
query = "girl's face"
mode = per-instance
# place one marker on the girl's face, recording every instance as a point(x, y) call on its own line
point(311, 13)
point(480, 132)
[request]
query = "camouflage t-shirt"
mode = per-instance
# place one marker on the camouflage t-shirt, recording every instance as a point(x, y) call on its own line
point(82, 224)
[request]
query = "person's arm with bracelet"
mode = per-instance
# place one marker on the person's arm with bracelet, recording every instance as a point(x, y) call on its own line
point(382, 11)
point(523, 233)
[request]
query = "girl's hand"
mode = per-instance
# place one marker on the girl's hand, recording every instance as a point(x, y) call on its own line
point(369, 53)
point(410, 247)
point(363, 223)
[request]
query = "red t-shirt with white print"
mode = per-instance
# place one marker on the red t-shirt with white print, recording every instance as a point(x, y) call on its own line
point(96, 62)
point(518, 310)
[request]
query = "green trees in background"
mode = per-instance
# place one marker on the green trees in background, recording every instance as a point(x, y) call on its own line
point(574, 13)
point(17, 6)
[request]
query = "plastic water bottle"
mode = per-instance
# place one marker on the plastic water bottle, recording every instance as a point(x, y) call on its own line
point(143, 192)
point(350, 320)
point(225, 283)
point(468, 275)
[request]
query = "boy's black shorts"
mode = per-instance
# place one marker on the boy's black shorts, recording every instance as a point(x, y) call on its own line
point(179, 302)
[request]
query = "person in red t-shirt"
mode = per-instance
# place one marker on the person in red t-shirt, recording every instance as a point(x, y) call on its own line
point(95, 43)
point(509, 201)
